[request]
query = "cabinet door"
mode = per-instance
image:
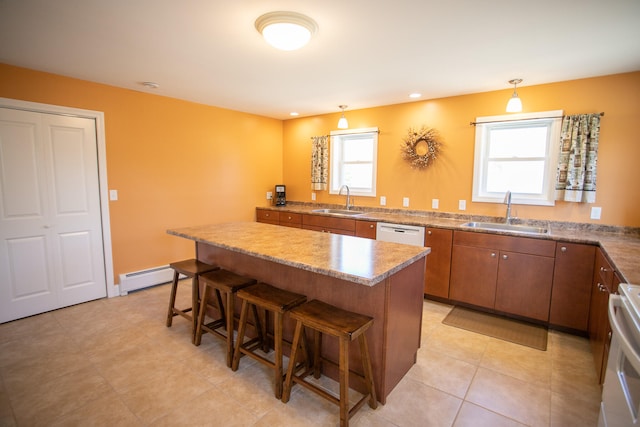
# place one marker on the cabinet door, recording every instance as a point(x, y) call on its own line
point(268, 216)
point(571, 292)
point(436, 279)
point(524, 285)
point(366, 229)
point(473, 275)
point(599, 327)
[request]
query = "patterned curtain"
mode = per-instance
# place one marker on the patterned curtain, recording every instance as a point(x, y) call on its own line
point(320, 162)
point(576, 174)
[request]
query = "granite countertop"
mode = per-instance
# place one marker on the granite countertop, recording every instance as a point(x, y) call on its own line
point(620, 244)
point(354, 259)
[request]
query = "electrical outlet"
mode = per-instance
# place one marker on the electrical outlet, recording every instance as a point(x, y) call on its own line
point(383, 201)
point(435, 203)
point(405, 202)
point(596, 212)
point(269, 195)
point(313, 196)
point(462, 205)
point(113, 195)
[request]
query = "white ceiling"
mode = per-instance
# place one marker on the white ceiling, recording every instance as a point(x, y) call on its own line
point(366, 53)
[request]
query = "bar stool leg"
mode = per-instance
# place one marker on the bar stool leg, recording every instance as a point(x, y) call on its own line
point(172, 298)
point(195, 304)
point(277, 333)
point(286, 394)
point(368, 371)
point(197, 339)
point(344, 382)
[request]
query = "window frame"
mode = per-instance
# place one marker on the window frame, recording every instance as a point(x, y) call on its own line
point(338, 138)
point(553, 121)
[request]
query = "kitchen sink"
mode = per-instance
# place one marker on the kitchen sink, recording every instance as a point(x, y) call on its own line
point(338, 212)
point(507, 227)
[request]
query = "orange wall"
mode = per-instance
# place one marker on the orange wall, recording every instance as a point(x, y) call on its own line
point(174, 163)
point(450, 177)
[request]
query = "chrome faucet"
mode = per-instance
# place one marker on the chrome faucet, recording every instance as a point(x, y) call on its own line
point(348, 201)
point(507, 201)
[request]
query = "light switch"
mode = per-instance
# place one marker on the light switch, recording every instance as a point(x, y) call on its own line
point(313, 196)
point(462, 205)
point(383, 201)
point(435, 203)
point(596, 212)
point(113, 195)
point(405, 202)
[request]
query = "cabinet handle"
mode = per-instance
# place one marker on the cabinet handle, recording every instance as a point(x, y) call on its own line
point(370, 225)
point(266, 214)
point(493, 254)
point(604, 270)
point(609, 336)
point(288, 217)
point(505, 257)
point(563, 249)
point(429, 232)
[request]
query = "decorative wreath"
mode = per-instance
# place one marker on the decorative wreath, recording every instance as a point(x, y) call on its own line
point(421, 146)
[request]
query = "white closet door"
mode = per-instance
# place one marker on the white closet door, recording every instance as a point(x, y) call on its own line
point(51, 248)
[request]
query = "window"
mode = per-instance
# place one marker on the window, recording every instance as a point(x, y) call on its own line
point(354, 155)
point(516, 153)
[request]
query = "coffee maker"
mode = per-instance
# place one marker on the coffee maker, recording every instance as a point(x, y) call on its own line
point(281, 196)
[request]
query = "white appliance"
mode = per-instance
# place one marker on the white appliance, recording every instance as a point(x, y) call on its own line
point(399, 233)
point(620, 406)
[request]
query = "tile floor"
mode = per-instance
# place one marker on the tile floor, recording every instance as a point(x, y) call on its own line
point(113, 362)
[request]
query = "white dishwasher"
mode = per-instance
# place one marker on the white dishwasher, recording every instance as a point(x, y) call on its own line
point(400, 233)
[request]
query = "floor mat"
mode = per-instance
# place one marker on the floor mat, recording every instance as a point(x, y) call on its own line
point(515, 331)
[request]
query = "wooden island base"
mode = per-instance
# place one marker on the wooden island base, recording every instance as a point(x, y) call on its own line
point(395, 304)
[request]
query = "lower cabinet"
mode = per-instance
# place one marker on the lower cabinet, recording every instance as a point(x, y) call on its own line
point(366, 229)
point(605, 282)
point(572, 277)
point(508, 274)
point(436, 278)
point(329, 224)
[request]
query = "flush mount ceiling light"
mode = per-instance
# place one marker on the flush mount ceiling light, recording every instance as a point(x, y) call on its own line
point(515, 104)
point(342, 123)
point(151, 85)
point(286, 30)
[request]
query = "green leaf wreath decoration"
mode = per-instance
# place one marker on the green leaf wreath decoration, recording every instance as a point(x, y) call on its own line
point(421, 147)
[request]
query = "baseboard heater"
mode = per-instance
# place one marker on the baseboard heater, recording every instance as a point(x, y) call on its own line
point(145, 278)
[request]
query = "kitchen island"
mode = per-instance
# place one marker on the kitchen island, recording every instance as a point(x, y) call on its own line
point(379, 279)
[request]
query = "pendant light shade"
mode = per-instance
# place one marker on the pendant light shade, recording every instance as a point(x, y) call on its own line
point(286, 30)
point(515, 104)
point(342, 123)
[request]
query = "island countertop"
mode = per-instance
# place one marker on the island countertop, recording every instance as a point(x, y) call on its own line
point(355, 259)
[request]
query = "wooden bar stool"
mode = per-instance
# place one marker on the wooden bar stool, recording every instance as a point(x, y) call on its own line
point(191, 268)
point(323, 318)
point(220, 281)
point(272, 300)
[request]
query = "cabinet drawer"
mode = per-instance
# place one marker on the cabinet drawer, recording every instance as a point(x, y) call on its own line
point(291, 219)
point(366, 229)
point(328, 222)
point(524, 245)
point(268, 216)
point(329, 230)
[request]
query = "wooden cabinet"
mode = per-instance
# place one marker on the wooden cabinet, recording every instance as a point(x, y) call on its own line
point(605, 281)
point(366, 229)
point(268, 216)
point(572, 277)
point(509, 274)
point(436, 278)
point(329, 224)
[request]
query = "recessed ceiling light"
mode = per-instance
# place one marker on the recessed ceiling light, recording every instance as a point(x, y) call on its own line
point(294, 113)
point(151, 85)
point(415, 95)
point(286, 30)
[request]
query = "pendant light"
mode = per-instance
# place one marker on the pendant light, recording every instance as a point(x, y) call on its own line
point(342, 123)
point(286, 30)
point(515, 104)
